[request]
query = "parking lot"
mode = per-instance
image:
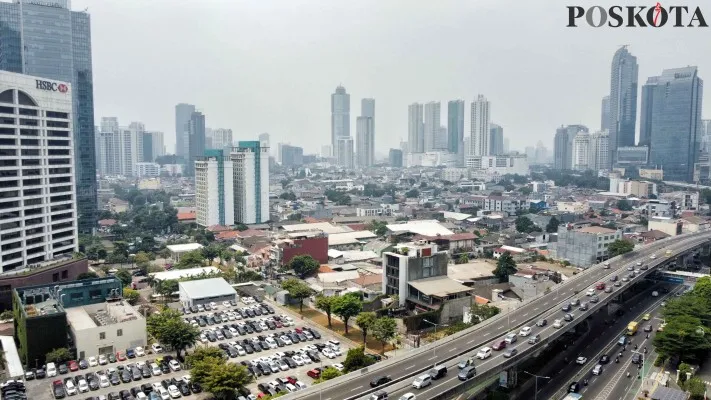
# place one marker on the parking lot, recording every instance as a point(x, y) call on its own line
point(282, 354)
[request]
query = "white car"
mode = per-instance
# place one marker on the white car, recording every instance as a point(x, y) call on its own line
point(155, 369)
point(484, 353)
point(422, 381)
point(71, 389)
point(510, 338)
point(525, 331)
point(93, 362)
point(271, 343)
point(157, 348)
point(653, 256)
point(213, 305)
point(104, 381)
point(597, 370)
point(290, 388)
point(558, 323)
point(298, 360)
point(226, 303)
point(328, 353)
point(606, 265)
point(338, 366)
point(103, 360)
point(174, 392)
point(186, 378)
point(139, 351)
point(581, 360)
point(286, 340)
point(203, 338)
point(51, 370)
point(590, 292)
point(283, 365)
point(300, 385)
point(336, 350)
point(83, 386)
point(407, 396)
point(240, 350)
point(174, 365)
point(164, 393)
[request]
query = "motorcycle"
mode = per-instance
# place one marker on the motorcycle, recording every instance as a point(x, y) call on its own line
point(617, 359)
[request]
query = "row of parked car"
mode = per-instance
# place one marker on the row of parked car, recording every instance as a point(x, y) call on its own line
point(249, 311)
point(258, 343)
point(201, 321)
point(287, 384)
point(230, 330)
point(13, 390)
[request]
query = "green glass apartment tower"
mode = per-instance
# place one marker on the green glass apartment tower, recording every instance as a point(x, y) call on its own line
point(623, 101)
point(671, 108)
point(47, 39)
point(455, 125)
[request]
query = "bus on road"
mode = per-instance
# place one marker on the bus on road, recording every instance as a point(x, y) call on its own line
point(632, 328)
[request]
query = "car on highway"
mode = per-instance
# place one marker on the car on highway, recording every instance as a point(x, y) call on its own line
point(484, 353)
point(613, 278)
point(557, 323)
point(534, 339)
point(525, 331)
point(608, 289)
point(646, 317)
point(653, 256)
point(380, 380)
point(574, 387)
point(618, 284)
point(606, 265)
point(630, 268)
point(644, 267)
point(566, 308)
point(595, 299)
point(510, 338)
point(655, 293)
point(597, 370)
point(625, 279)
point(499, 345)
point(604, 359)
point(439, 371)
point(600, 286)
point(408, 396)
point(379, 395)
point(583, 306)
point(574, 303)
point(510, 353)
point(581, 360)
point(542, 322)
point(648, 328)
point(590, 292)
point(467, 373)
point(568, 317)
point(465, 363)
point(636, 358)
point(422, 381)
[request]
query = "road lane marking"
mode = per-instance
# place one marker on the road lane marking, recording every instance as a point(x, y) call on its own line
point(410, 367)
point(358, 388)
point(453, 350)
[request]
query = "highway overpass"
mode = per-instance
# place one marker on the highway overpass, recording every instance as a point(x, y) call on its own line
point(403, 369)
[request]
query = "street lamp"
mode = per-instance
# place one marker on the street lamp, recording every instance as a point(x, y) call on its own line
point(535, 395)
point(434, 348)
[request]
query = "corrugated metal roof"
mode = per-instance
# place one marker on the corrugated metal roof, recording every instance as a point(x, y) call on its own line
point(207, 288)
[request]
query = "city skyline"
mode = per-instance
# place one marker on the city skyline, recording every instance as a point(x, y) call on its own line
point(303, 110)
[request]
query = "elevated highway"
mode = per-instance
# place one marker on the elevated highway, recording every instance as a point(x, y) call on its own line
point(403, 369)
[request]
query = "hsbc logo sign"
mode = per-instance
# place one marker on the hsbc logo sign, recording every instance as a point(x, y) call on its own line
point(51, 86)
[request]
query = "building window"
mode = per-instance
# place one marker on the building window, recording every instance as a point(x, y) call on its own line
point(102, 335)
point(119, 332)
point(55, 277)
point(65, 274)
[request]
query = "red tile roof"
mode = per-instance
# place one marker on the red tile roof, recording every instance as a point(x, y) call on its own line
point(218, 228)
point(186, 216)
point(324, 269)
point(107, 222)
point(251, 232)
point(227, 235)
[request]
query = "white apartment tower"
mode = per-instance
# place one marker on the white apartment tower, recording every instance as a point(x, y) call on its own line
point(583, 157)
point(214, 189)
point(251, 182)
point(344, 152)
point(37, 194)
point(432, 119)
point(365, 142)
point(415, 128)
point(221, 138)
point(480, 126)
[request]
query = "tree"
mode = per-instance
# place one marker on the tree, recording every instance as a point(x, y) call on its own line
point(124, 276)
point(219, 377)
point(619, 247)
point(356, 359)
point(325, 304)
point(365, 321)
point(203, 352)
point(210, 252)
point(347, 306)
point(463, 258)
point(131, 295)
point(412, 193)
point(552, 226)
point(288, 196)
point(297, 290)
point(87, 275)
point(696, 387)
point(329, 373)
point(169, 328)
point(384, 330)
point(624, 205)
point(680, 338)
point(525, 225)
point(166, 288)
point(59, 355)
point(304, 265)
point(504, 267)
point(482, 312)
point(191, 259)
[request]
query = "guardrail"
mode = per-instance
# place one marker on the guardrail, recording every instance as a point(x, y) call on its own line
point(498, 318)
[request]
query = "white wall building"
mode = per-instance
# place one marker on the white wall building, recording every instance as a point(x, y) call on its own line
point(158, 145)
point(220, 137)
point(172, 169)
point(506, 164)
point(431, 129)
point(344, 152)
point(214, 190)
point(415, 128)
point(480, 127)
point(38, 205)
point(147, 169)
point(581, 152)
point(365, 139)
point(251, 182)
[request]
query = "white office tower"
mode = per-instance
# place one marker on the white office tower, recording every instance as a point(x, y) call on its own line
point(138, 129)
point(251, 182)
point(415, 128)
point(600, 145)
point(340, 115)
point(365, 141)
point(583, 157)
point(480, 127)
point(432, 117)
point(344, 152)
point(441, 140)
point(214, 189)
point(158, 145)
point(221, 138)
point(38, 173)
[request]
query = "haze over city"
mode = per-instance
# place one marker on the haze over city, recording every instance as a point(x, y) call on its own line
point(271, 66)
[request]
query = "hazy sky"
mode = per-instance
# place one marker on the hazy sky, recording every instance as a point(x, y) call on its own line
point(270, 65)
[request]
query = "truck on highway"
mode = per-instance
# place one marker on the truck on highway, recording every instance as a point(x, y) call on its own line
point(632, 328)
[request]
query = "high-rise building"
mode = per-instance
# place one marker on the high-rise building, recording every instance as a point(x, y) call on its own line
point(365, 141)
point(541, 155)
point(480, 128)
point(623, 100)
point(220, 138)
point(581, 152)
point(48, 40)
point(674, 118)
point(183, 112)
point(507, 146)
point(291, 156)
point(109, 124)
point(39, 200)
point(395, 158)
point(600, 150)
point(563, 146)
point(326, 151)
point(158, 144)
point(367, 109)
point(340, 115)
point(432, 117)
point(264, 139)
point(496, 140)
point(147, 147)
point(455, 126)
point(344, 152)
point(137, 130)
point(251, 182)
point(646, 112)
point(605, 114)
point(415, 128)
point(214, 189)
point(196, 140)
point(706, 136)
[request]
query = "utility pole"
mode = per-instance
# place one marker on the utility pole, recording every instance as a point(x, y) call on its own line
point(535, 395)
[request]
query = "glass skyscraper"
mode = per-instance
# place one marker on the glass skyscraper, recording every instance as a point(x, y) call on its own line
point(623, 100)
point(47, 39)
point(455, 126)
point(671, 108)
